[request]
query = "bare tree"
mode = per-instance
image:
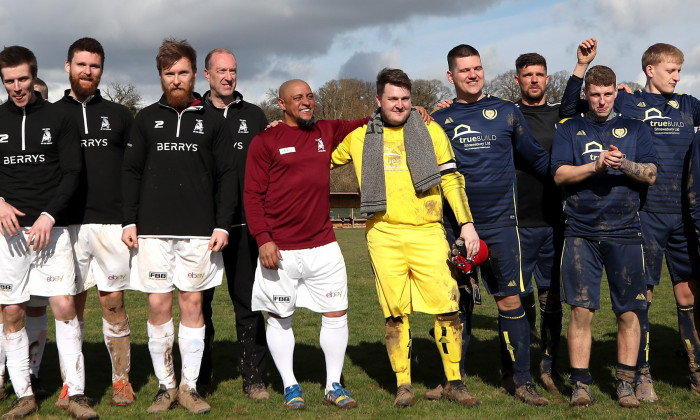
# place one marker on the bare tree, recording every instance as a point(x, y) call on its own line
point(269, 105)
point(634, 86)
point(427, 93)
point(345, 99)
point(503, 86)
point(556, 86)
point(126, 95)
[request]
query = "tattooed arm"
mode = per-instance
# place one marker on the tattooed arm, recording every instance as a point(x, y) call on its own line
point(641, 172)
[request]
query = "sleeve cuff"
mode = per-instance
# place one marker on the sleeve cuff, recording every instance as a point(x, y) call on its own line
point(47, 215)
point(221, 230)
point(129, 225)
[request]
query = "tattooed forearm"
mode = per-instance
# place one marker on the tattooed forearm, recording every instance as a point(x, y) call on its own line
point(642, 172)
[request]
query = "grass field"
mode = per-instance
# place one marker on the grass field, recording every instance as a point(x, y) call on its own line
point(367, 371)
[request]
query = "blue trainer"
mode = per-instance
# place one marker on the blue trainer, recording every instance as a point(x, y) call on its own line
point(339, 397)
point(294, 397)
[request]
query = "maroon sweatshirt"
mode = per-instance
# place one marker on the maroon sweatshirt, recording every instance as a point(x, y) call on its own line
point(287, 183)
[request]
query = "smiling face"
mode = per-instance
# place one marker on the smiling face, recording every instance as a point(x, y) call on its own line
point(467, 74)
point(19, 84)
point(532, 81)
point(395, 104)
point(297, 102)
point(84, 72)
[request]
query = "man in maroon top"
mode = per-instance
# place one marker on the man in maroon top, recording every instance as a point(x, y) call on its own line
point(287, 202)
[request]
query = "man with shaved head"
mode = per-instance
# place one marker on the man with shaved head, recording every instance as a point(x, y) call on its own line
point(287, 202)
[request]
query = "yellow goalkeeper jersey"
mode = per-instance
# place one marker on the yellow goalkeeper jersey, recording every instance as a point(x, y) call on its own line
point(403, 205)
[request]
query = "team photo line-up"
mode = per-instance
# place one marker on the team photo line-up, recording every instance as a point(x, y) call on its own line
point(91, 196)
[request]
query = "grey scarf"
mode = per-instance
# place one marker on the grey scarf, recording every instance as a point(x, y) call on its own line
point(420, 157)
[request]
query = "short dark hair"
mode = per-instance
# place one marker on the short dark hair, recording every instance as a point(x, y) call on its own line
point(172, 50)
point(395, 77)
point(40, 86)
point(212, 52)
point(461, 50)
point(600, 76)
point(529, 59)
point(88, 44)
point(16, 56)
point(658, 52)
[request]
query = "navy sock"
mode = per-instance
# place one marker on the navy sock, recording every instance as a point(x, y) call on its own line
point(689, 335)
point(643, 356)
point(550, 327)
point(466, 320)
point(580, 375)
point(515, 338)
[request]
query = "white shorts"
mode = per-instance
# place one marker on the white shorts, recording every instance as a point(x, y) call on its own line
point(312, 278)
point(25, 272)
point(101, 258)
point(159, 265)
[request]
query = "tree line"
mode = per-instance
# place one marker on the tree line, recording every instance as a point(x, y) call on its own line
point(349, 99)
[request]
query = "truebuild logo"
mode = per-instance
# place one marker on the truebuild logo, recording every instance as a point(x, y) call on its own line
point(593, 150)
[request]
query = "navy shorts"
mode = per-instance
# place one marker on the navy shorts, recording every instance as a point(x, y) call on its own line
point(674, 236)
point(538, 257)
point(501, 274)
point(582, 271)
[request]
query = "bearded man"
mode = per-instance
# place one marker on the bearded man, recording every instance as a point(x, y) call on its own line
point(179, 196)
point(101, 259)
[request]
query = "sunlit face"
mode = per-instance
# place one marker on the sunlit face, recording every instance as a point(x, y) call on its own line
point(395, 103)
point(222, 74)
point(467, 75)
point(19, 84)
point(533, 82)
point(84, 72)
point(663, 77)
point(600, 99)
point(178, 83)
point(298, 104)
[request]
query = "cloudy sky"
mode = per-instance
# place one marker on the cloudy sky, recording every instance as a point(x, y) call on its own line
point(318, 40)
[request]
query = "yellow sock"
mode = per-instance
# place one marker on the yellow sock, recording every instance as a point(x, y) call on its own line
point(398, 346)
point(448, 337)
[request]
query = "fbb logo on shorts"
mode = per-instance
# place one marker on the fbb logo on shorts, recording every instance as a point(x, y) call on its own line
point(153, 275)
point(334, 294)
point(5, 287)
point(117, 277)
point(54, 278)
point(280, 298)
point(195, 275)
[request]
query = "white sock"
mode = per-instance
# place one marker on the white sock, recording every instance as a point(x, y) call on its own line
point(2, 357)
point(117, 339)
point(160, 345)
point(36, 332)
point(280, 341)
point(69, 342)
point(334, 341)
point(17, 359)
point(191, 342)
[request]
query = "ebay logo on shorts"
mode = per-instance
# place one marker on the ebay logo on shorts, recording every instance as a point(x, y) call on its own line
point(117, 277)
point(334, 294)
point(54, 278)
point(195, 275)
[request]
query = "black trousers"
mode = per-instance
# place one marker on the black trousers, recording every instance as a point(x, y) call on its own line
point(240, 261)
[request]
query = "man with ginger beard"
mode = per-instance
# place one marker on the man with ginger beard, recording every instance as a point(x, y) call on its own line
point(179, 196)
point(101, 259)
